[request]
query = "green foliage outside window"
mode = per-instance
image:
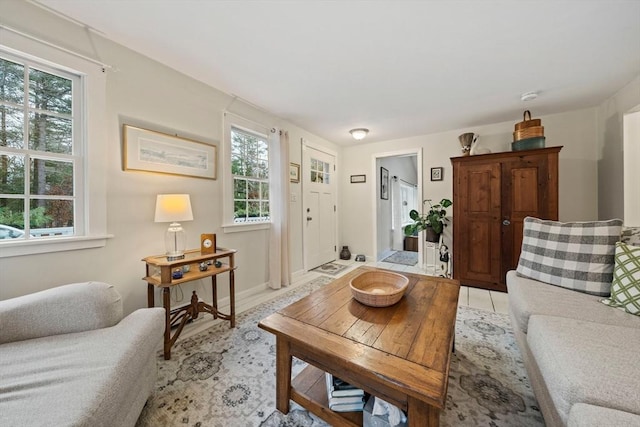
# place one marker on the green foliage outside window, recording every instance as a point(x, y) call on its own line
point(250, 170)
point(44, 102)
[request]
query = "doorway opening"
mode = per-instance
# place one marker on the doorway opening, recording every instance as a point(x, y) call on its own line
point(398, 190)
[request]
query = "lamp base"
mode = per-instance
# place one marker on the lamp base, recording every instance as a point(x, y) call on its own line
point(174, 257)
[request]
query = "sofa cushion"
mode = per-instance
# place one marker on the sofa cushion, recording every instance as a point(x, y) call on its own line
point(528, 297)
point(584, 415)
point(574, 255)
point(625, 289)
point(78, 307)
point(586, 362)
point(82, 379)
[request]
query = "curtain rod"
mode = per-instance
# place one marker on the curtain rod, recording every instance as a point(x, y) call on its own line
point(55, 46)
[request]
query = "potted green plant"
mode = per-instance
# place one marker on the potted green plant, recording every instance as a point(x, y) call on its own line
point(433, 221)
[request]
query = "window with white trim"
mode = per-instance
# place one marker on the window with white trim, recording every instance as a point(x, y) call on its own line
point(56, 149)
point(39, 122)
point(250, 173)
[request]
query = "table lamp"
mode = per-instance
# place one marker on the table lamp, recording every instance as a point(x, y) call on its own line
point(173, 208)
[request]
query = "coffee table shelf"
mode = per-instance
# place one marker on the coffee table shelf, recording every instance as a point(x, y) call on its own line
point(400, 353)
point(309, 389)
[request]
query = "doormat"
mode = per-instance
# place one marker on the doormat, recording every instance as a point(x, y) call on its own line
point(403, 257)
point(330, 268)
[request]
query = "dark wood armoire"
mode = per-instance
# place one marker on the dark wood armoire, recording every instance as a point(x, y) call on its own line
point(492, 194)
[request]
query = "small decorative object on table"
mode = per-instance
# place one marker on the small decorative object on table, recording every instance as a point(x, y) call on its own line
point(203, 266)
point(378, 288)
point(360, 258)
point(177, 273)
point(218, 264)
point(207, 244)
point(345, 253)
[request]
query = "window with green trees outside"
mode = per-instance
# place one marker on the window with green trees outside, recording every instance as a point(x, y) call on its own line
point(39, 123)
point(250, 171)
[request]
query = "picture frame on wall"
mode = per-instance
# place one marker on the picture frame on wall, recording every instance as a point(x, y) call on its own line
point(437, 174)
point(153, 151)
point(294, 172)
point(358, 179)
point(384, 183)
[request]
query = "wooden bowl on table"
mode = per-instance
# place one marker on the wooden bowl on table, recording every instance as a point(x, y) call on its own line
point(378, 288)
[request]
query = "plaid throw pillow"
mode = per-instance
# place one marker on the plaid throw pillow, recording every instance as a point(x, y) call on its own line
point(573, 255)
point(625, 289)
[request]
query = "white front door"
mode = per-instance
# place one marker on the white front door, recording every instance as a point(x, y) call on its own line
point(319, 208)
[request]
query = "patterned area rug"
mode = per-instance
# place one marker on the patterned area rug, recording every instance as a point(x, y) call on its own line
point(403, 257)
point(226, 377)
point(331, 268)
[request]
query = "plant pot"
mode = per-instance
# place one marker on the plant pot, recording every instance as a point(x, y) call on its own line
point(432, 236)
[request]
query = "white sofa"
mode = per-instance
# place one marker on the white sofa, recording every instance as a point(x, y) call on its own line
point(67, 358)
point(581, 355)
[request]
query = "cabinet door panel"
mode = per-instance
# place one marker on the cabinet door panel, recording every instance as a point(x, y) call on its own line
point(525, 192)
point(476, 223)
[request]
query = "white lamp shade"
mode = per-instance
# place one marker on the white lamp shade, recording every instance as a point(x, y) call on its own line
point(173, 208)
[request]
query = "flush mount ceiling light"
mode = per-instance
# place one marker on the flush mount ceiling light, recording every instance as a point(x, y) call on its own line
point(528, 96)
point(359, 133)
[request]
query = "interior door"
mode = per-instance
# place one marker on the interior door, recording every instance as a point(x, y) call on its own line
point(319, 209)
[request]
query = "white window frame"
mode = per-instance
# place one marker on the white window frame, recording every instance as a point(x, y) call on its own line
point(90, 173)
point(230, 121)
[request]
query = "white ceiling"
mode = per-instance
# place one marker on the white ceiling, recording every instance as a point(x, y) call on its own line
point(399, 68)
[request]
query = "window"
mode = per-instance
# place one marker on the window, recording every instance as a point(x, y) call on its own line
point(53, 146)
point(38, 159)
point(250, 173)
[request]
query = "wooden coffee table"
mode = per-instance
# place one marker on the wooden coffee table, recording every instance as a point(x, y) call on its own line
point(399, 353)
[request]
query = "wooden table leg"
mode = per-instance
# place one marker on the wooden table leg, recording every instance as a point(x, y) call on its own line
point(419, 414)
point(232, 298)
point(214, 293)
point(283, 375)
point(166, 303)
point(151, 300)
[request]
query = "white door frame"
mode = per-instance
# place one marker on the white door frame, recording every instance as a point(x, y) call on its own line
point(374, 199)
point(307, 144)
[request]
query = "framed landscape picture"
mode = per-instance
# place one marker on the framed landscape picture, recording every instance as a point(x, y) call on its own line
point(152, 151)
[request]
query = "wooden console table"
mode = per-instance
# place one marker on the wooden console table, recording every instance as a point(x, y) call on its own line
point(159, 274)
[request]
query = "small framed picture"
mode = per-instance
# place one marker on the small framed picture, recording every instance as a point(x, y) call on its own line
point(294, 172)
point(384, 184)
point(436, 174)
point(357, 179)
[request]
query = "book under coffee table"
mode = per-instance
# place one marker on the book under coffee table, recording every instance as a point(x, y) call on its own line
point(399, 353)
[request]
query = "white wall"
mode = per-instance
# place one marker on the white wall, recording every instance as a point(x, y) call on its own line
point(575, 131)
point(146, 93)
point(611, 150)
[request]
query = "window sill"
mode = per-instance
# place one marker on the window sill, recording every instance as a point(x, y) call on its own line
point(56, 244)
point(237, 228)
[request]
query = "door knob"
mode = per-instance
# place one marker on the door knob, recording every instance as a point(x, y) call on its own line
point(309, 218)
point(506, 222)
